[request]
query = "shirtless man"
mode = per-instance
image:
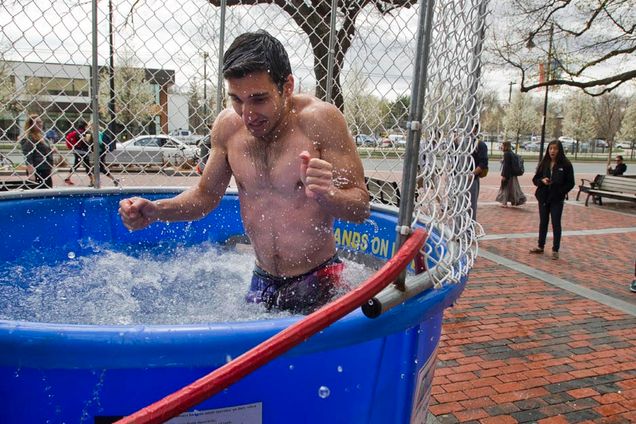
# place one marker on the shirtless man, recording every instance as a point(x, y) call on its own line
point(296, 168)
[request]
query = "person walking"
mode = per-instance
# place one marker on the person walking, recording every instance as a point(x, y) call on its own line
point(554, 178)
point(509, 190)
point(38, 151)
point(76, 142)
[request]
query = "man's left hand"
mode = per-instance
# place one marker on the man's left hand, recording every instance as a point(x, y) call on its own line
point(316, 174)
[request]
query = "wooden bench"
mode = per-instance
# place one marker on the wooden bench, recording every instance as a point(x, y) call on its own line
point(620, 188)
point(382, 191)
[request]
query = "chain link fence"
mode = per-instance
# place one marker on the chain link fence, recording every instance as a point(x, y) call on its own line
point(144, 77)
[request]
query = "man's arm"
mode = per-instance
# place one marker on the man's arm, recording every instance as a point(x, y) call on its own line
point(481, 161)
point(336, 178)
point(192, 204)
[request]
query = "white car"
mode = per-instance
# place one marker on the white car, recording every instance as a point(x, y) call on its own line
point(162, 150)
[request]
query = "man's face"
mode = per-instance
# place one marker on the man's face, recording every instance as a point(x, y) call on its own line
point(256, 99)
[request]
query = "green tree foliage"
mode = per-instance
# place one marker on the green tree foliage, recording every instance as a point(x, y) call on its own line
point(396, 112)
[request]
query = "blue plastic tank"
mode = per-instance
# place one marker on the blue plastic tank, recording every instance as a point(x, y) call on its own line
point(358, 370)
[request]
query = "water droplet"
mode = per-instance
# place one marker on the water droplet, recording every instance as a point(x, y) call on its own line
point(228, 358)
point(71, 255)
point(339, 368)
point(324, 392)
point(291, 367)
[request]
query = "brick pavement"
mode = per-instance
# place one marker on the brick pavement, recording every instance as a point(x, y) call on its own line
point(518, 349)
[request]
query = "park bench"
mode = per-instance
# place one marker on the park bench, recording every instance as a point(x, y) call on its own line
point(382, 191)
point(620, 188)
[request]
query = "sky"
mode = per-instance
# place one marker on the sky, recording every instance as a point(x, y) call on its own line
point(175, 36)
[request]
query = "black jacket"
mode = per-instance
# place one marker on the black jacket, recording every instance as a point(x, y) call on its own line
point(561, 182)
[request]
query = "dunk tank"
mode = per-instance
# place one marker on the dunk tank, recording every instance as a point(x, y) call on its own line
point(366, 357)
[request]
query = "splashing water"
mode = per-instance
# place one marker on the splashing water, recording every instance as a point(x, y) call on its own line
point(164, 285)
point(324, 392)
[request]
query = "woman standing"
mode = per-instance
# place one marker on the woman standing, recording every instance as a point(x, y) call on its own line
point(38, 151)
point(554, 179)
point(509, 190)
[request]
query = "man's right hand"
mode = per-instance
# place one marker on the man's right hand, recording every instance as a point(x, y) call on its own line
point(137, 213)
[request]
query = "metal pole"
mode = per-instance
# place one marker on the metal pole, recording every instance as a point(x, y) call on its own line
point(111, 70)
point(418, 94)
point(205, 89)
point(332, 52)
point(94, 99)
point(545, 99)
point(219, 80)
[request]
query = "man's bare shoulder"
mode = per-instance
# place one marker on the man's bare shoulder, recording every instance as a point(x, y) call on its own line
point(316, 117)
point(227, 124)
point(306, 105)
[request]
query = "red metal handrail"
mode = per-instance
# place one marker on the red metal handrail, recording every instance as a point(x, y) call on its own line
point(207, 386)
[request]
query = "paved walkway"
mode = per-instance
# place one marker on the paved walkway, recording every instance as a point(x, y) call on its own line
point(532, 340)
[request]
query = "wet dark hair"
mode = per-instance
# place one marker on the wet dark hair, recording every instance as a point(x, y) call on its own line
point(255, 52)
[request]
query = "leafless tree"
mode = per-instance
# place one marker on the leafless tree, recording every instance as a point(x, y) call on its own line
point(492, 113)
point(609, 110)
point(521, 118)
point(593, 42)
point(314, 17)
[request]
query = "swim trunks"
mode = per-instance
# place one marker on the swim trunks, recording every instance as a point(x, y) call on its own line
point(301, 294)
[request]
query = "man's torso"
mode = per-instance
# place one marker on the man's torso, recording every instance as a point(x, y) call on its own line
point(290, 232)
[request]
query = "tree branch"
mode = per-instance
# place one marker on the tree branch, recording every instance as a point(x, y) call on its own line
point(612, 82)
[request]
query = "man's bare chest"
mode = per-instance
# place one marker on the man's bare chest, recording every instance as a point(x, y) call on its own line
point(256, 167)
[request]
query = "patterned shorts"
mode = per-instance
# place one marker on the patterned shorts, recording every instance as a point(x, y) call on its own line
point(301, 294)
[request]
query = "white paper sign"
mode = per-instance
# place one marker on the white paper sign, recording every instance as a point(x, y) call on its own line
point(251, 413)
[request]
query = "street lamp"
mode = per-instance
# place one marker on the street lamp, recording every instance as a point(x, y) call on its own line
point(530, 44)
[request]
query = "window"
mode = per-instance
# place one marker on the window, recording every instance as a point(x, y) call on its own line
point(147, 141)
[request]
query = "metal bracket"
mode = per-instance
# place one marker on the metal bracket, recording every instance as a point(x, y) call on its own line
point(414, 125)
point(404, 229)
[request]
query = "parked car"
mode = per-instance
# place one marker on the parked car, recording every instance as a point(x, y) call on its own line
point(186, 136)
point(624, 144)
point(533, 146)
point(397, 140)
point(366, 140)
point(600, 143)
point(154, 150)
